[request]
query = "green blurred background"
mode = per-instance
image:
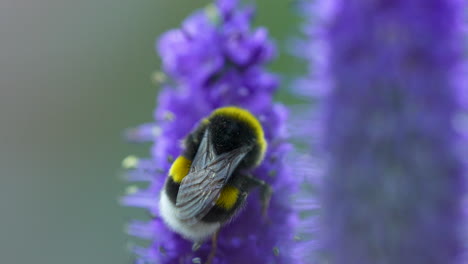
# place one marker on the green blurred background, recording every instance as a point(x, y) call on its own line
point(73, 76)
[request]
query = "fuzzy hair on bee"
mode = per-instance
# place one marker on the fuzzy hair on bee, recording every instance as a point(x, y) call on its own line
point(209, 182)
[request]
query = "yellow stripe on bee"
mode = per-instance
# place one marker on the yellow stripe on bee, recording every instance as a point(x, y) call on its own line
point(247, 117)
point(205, 121)
point(228, 197)
point(180, 168)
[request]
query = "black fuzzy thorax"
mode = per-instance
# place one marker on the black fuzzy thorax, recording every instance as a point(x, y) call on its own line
point(228, 133)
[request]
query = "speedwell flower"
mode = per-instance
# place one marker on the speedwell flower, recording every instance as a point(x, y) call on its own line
point(215, 59)
point(394, 177)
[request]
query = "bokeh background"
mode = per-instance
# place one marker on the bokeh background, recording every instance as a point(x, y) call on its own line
point(73, 76)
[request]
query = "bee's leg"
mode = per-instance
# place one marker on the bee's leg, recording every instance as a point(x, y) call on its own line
point(265, 192)
point(214, 247)
point(196, 245)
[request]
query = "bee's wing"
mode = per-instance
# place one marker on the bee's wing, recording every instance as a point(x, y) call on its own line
point(200, 189)
point(205, 153)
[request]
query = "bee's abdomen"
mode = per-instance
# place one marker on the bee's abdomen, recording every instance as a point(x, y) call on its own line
point(228, 197)
point(228, 203)
point(180, 169)
point(177, 172)
point(172, 189)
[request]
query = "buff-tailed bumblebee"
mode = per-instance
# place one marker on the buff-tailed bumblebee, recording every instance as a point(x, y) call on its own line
point(209, 182)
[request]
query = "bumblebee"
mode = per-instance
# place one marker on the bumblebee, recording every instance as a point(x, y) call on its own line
point(208, 184)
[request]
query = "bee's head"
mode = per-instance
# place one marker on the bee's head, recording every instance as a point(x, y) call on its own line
point(232, 128)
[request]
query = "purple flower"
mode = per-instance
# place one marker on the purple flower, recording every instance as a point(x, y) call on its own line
point(312, 88)
point(394, 178)
point(216, 59)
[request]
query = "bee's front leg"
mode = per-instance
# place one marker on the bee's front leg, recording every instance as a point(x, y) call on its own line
point(265, 192)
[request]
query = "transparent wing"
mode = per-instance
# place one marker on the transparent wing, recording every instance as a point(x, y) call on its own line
point(209, 173)
point(205, 153)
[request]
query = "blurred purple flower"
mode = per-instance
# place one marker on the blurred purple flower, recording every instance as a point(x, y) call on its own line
point(311, 89)
point(215, 59)
point(394, 178)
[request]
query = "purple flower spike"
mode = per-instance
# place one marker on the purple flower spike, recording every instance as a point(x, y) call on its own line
point(394, 179)
point(215, 60)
